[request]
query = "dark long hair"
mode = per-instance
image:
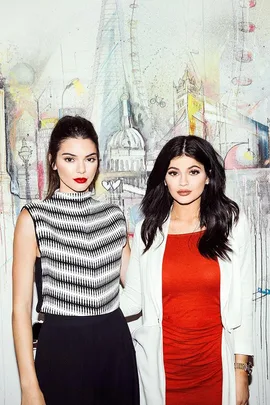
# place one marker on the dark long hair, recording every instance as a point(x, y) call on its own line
point(67, 127)
point(218, 213)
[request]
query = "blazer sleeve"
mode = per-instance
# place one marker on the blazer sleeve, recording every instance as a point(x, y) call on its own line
point(243, 335)
point(130, 297)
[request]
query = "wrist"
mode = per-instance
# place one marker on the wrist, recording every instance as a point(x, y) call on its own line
point(244, 368)
point(30, 385)
point(241, 373)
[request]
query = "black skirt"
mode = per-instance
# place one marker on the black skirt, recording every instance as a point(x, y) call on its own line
point(87, 361)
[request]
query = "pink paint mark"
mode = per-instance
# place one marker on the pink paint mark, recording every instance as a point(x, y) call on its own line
point(251, 27)
point(241, 81)
point(245, 26)
point(254, 107)
point(247, 3)
point(244, 56)
point(40, 179)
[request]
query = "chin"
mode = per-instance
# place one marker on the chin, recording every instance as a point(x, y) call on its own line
point(78, 188)
point(83, 188)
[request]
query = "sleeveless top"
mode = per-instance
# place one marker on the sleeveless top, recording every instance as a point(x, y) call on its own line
point(80, 242)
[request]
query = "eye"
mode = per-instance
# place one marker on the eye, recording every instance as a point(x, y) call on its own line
point(194, 172)
point(91, 159)
point(69, 159)
point(172, 173)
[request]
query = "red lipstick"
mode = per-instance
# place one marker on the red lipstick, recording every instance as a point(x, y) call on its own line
point(183, 192)
point(80, 180)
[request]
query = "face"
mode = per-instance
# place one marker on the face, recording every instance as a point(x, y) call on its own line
point(186, 179)
point(76, 164)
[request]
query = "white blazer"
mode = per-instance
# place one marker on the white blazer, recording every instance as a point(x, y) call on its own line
point(143, 292)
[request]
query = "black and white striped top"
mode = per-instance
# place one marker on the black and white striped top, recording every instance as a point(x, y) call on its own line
point(80, 242)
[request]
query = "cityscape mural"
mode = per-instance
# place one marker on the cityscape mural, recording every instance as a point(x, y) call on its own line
point(143, 71)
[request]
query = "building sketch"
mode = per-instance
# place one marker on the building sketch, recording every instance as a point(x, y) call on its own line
point(143, 73)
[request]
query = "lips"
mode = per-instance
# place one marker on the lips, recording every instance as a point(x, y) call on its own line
point(183, 193)
point(80, 180)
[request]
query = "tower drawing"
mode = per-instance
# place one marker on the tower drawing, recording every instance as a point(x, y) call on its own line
point(189, 107)
point(145, 120)
point(108, 79)
point(137, 77)
point(117, 68)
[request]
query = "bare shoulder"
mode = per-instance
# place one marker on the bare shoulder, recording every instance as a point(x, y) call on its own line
point(25, 225)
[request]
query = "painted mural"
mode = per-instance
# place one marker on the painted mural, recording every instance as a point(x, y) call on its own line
point(143, 71)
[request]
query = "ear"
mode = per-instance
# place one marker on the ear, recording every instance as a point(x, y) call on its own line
point(207, 181)
point(54, 167)
point(165, 184)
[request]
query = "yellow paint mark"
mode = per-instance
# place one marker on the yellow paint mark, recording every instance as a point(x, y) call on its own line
point(248, 155)
point(47, 122)
point(194, 105)
point(78, 87)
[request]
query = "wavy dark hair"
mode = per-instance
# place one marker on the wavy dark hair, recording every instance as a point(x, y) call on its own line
point(218, 213)
point(68, 127)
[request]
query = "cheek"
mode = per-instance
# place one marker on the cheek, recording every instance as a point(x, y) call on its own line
point(63, 169)
point(172, 185)
point(202, 184)
point(93, 168)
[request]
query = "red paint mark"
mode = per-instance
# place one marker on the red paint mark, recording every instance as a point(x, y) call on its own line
point(40, 179)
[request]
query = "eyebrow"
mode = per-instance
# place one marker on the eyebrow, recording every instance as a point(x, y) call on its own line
point(191, 167)
point(71, 154)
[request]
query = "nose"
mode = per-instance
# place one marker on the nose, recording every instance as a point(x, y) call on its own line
point(183, 180)
point(81, 167)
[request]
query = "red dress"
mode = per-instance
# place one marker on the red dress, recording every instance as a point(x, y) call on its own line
point(192, 326)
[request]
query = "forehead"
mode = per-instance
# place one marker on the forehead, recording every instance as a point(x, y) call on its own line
point(77, 145)
point(183, 162)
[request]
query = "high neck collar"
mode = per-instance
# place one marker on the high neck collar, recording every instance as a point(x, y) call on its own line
point(86, 195)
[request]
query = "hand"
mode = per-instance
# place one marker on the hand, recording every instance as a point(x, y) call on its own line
point(33, 397)
point(242, 390)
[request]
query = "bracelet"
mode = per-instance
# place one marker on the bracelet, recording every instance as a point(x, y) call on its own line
point(247, 367)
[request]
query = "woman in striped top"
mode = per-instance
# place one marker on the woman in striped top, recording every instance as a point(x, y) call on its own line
point(79, 249)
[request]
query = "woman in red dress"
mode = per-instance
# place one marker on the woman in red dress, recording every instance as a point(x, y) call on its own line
point(190, 274)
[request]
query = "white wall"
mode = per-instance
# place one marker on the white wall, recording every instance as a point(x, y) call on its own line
point(45, 45)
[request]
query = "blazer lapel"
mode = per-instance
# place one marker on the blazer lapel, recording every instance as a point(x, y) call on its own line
point(155, 260)
point(225, 285)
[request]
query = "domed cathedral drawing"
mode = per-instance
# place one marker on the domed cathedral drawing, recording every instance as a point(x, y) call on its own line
point(125, 149)
point(125, 161)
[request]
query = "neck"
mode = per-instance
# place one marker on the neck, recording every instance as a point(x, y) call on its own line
point(72, 196)
point(185, 219)
point(186, 213)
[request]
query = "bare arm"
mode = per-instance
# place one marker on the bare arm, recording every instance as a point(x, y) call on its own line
point(24, 256)
point(124, 263)
point(130, 298)
point(243, 334)
point(241, 381)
